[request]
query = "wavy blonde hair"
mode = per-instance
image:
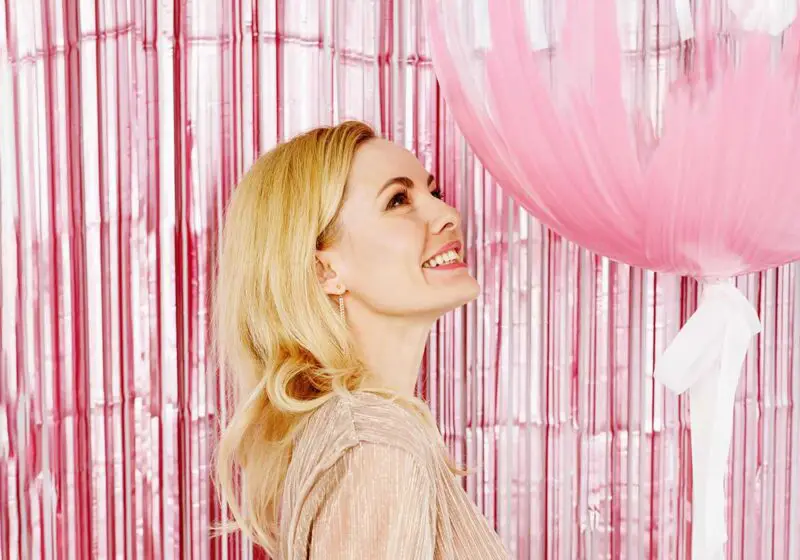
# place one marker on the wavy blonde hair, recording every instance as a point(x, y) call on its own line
point(277, 332)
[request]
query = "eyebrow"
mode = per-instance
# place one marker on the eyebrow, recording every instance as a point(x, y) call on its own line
point(405, 181)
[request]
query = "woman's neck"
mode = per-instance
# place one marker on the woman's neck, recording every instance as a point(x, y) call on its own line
point(391, 348)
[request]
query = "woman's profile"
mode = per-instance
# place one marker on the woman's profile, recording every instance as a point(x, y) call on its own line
point(337, 257)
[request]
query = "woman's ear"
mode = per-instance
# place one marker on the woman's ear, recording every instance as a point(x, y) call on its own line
point(328, 277)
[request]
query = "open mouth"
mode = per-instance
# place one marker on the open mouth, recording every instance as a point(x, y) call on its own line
point(448, 257)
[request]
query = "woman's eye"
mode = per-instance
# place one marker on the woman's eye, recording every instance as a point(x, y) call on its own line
point(399, 199)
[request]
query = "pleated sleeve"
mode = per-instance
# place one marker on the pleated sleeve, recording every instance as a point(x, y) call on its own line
point(378, 504)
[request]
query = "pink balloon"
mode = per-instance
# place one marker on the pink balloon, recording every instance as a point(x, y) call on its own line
point(645, 132)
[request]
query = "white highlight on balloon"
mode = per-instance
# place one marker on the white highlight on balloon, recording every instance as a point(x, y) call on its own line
point(706, 358)
point(480, 24)
point(683, 11)
point(537, 29)
point(765, 16)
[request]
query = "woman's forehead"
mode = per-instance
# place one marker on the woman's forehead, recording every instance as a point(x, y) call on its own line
point(379, 160)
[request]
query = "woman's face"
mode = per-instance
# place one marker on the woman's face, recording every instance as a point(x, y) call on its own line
point(401, 247)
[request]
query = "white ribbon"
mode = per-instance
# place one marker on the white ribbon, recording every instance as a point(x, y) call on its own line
point(766, 16)
point(706, 358)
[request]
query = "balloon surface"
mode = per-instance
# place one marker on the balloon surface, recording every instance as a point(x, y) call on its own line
point(663, 134)
point(660, 133)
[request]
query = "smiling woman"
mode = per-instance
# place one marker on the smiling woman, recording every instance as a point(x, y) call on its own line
point(387, 236)
point(338, 256)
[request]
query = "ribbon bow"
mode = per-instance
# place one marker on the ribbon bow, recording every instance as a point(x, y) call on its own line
point(706, 358)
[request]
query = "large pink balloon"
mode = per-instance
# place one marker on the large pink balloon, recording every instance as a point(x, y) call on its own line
point(645, 132)
point(659, 136)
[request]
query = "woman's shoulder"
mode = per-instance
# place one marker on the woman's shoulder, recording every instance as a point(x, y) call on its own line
point(361, 417)
point(361, 425)
point(358, 441)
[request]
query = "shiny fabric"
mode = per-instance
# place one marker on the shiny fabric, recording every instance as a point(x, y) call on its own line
point(124, 126)
point(368, 479)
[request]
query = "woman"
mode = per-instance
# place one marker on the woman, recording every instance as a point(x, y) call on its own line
point(338, 255)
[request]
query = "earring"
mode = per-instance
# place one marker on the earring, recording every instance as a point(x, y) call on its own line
point(341, 308)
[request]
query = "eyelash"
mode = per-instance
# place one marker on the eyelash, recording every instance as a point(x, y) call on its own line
point(402, 196)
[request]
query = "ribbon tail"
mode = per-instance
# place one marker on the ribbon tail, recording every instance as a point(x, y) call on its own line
point(706, 358)
point(711, 402)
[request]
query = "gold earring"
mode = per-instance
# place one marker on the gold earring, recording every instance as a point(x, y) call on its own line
point(341, 308)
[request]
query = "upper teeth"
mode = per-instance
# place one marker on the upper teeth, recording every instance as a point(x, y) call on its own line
point(442, 258)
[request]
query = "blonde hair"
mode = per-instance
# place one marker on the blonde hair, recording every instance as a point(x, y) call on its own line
point(276, 331)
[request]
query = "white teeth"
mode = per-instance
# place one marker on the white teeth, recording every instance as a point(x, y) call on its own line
point(444, 258)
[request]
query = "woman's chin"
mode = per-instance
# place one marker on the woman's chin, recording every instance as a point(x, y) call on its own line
point(458, 293)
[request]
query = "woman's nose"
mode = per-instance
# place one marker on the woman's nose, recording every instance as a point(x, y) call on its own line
point(446, 218)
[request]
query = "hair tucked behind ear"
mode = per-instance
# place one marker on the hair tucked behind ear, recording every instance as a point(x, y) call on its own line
point(278, 336)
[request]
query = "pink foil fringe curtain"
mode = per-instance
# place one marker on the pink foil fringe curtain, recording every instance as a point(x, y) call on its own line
point(124, 126)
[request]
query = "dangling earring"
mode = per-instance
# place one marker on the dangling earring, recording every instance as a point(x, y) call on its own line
point(341, 309)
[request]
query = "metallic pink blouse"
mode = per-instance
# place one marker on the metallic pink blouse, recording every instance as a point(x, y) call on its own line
point(368, 480)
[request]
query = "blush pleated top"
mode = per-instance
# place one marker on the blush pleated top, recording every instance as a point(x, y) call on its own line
point(368, 480)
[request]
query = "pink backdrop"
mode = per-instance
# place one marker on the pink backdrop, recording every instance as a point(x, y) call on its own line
point(123, 126)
